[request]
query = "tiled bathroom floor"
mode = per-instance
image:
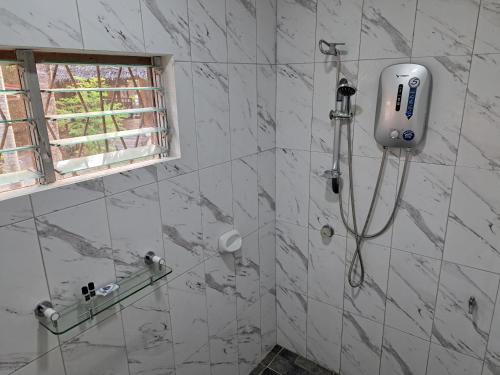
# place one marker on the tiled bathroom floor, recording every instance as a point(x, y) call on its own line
point(281, 361)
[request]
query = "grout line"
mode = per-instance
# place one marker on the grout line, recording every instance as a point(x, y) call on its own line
point(80, 23)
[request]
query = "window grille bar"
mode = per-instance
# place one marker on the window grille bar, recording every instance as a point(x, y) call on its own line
point(39, 133)
point(101, 89)
point(115, 112)
point(12, 92)
point(16, 120)
point(17, 177)
point(17, 149)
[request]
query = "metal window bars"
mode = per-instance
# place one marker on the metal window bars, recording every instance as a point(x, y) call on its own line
point(44, 136)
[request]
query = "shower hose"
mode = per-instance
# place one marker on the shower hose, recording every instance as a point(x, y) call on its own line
point(360, 236)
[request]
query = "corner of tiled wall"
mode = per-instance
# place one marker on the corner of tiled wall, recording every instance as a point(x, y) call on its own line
point(411, 316)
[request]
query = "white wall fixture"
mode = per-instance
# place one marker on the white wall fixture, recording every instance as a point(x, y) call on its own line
point(230, 242)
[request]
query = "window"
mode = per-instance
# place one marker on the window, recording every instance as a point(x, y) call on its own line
point(65, 115)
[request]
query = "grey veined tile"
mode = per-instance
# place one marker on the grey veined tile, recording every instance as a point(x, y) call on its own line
point(112, 25)
point(420, 224)
point(296, 27)
point(488, 28)
point(241, 31)
point(473, 236)
point(387, 28)
point(449, 84)
point(411, 293)
point(454, 328)
point(403, 353)
point(166, 27)
point(292, 318)
point(207, 27)
point(340, 20)
point(361, 346)
point(449, 362)
point(14, 210)
point(40, 25)
point(294, 105)
point(292, 183)
point(480, 134)
point(445, 27)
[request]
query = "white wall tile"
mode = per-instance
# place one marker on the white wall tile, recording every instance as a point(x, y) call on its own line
point(361, 346)
point(135, 227)
point(445, 27)
point(403, 353)
point(48, 364)
point(266, 31)
point(296, 25)
point(291, 257)
point(472, 237)
point(420, 224)
point(449, 76)
point(480, 130)
point(118, 182)
point(449, 362)
point(212, 113)
point(166, 27)
point(324, 332)
point(34, 24)
point(292, 318)
point(76, 249)
point(411, 293)
point(148, 334)
point(188, 312)
point(339, 21)
point(216, 201)
point(99, 350)
point(22, 272)
point(52, 200)
point(267, 257)
point(224, 350)
point(243, 109)
point(111, 25)
point(207, 28)
point(326, 268)
point(248, 274)
point(488, 28)
point(369, 299)
point(454, 328)
point(266, 185)
point(241, 31)
point(387, 28)
point(181, 221)
point(245, 194)
point(266, 106)
point(292, 185)
point(268, 321)
point(249, 339)
point(14, 210)
point(294, 106)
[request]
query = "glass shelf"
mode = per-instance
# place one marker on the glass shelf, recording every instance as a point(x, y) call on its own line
point(82, 311)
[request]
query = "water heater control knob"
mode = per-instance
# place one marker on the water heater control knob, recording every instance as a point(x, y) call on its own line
point(394, 134)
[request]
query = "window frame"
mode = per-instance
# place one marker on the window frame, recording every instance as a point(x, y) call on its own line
point(27, 60)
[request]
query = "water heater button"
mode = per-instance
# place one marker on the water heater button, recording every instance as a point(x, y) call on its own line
point(394, 134)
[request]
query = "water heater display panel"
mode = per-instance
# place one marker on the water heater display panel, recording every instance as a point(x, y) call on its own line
point(402, 105)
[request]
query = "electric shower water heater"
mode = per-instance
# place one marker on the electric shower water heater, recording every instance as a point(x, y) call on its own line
point(402, 105)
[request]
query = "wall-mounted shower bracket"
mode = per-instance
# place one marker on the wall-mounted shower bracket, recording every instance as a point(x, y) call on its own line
point(338, 115)
point(327, 48)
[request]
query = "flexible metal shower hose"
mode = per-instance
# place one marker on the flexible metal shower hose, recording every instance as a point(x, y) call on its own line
point(359, 237)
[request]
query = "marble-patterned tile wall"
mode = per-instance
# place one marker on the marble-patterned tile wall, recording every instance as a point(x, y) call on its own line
point(216, 314)
point(412, 314)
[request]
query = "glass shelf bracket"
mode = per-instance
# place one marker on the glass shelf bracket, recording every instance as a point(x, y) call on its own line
point(59, 321)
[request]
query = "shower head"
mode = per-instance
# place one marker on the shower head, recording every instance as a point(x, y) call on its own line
point(345, 89)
